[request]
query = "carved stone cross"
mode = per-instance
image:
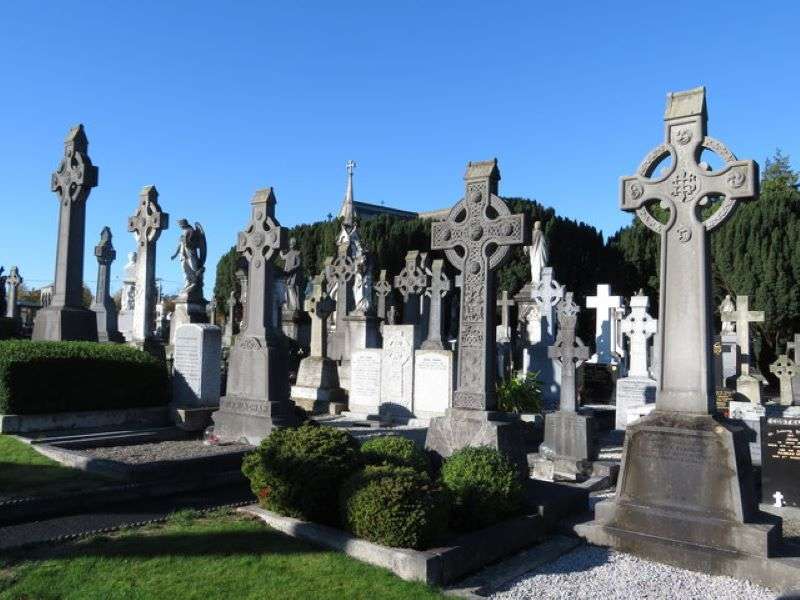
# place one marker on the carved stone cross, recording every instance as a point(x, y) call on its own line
point(339, 273)
point(103, 305)
point(569, 349)
point(505, 304)
point(411, 283)
point(639, 326)
point(785, 370)
point(382, 289)
point(319, 307)
point(743, 316)
point(259, 242)
point(685, 383)
point(604, 333)
point(476, 238)
point(14, 280)
point(439, 288)
point(146, 225)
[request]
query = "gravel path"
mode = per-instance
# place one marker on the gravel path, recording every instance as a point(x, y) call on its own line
point(161, 451)
point(593, 572)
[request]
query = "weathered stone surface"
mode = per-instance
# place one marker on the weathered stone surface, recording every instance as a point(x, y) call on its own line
point(786, 371)
point(365, 382)
point(433, 383)
point(436, 291)
point(747, 385)
point(103, 304)
point(635, 396)
point(638, 389)
point(397, 371)
point(383, 290)
point(196, 368)
point(128, 298)
point(794, 347)
point(730, 360)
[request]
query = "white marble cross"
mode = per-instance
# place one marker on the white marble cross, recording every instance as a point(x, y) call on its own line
point(778, 499)
point(785, 370)
point(604, 337)
point(639, 326)
point(743, 316)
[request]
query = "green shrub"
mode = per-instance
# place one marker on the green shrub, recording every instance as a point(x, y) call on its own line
point(520, 395)
point(298, 472)
point(51, 377)
point(394, 450)
point(394, 506)
point(484, 485)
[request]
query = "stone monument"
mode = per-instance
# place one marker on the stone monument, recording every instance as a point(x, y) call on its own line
point(476, 237)
point(785, 370)
point(503, 336)
point(412, 283)
point(103, 305)
point(383, 289)
point(13, 281)
point(537, 252)
point(605, 335)
point(190, 305)
point(685, 494)
point(257, 399)
point(794, 347)
point(729, 348)
point(66, 318)
point(292, 316)
point(196, 374)
point(746, 385)
point(127, 298)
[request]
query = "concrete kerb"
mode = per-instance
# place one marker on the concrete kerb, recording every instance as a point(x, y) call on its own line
point(139, 417)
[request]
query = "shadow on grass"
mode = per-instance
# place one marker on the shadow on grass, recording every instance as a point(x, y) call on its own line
point(20, 480)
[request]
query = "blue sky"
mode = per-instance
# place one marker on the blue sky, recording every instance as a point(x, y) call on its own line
point(210, 101)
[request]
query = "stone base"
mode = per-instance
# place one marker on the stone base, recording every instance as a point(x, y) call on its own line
point(65, 323)
point(569, 435)
point(560, 468)
point(463, 427)
point(316, 401)
point(317, 384)
point(685, 496)
point(633, 394)
point(185, 313)
point(250, 421)
point(193, 418)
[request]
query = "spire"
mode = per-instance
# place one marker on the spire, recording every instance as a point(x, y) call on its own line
point(347, 206)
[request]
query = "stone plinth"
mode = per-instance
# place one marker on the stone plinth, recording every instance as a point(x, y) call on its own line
point(317, 384)
point(65, 323)
point(365, 383)
point(397, 371)
point(184, 314)
point(633, 395)
point(433, 383)
point(196, 370)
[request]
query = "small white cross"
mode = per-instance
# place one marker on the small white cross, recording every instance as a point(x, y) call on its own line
point(778, 499)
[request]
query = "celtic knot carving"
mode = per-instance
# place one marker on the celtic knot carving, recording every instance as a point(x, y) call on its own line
point(737, 178)
point(684, 186)
point(251, 344)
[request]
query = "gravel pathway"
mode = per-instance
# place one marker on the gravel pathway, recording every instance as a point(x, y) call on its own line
point(162, 451)
point(593, 572)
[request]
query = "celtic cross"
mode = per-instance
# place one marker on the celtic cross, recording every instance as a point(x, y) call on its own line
point(785, 370)
point(105, 254)
point(743, 316)
point(382, 289)
point(569, 349)
point(14, 280)
point(319, 306)
point(439, 288)
point(639, 326)
point(411, 283)
point(259, 242)
point(476, 237)
point(340, 272)
point(684, 381)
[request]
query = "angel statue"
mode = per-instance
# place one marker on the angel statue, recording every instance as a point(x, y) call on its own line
point(192, 251)
point(537, 252)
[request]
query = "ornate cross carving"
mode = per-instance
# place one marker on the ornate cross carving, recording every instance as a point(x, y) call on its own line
point(569, 349)
point(639, 326)
point(785, 370)
point(439, 288)
point(148, 221)
point(411, 283)
point(743, 316)
point(105, 254)
point(685, 383)
point(75, 176)
point(14, 280)
point(339, 273)
point(382, 289)
point(476, 237)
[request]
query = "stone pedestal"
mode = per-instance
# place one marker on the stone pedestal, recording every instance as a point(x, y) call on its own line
point(65, 323)
point(317, 385)
point(365, 389)
point(633, 395)
point(186, 313)
point(196, 373)
point(433, 383)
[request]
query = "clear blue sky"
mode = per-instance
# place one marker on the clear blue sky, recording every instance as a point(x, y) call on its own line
point(210, 101)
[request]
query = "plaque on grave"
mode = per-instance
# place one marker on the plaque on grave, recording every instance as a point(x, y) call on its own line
point(780, 461)
point(596, 383)
point(723, 398)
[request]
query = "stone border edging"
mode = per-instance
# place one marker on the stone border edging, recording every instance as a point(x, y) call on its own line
point(149, 416)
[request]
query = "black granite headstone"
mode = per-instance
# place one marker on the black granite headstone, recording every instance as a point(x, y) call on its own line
point(780, 460)
point(596, 383)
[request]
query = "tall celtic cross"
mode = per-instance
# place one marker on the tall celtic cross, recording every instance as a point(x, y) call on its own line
point(14, 280)
point(685, 381)
point(476, 237)
point(259, 242)
point(105, 254)
point(743, 316)
point(547, 293)
point(73, 180)
point(639, 326)
point(382, 289)
point(146, 225)
point(340, 272)
point(319, 307)
point(569, 349)
point(411, 283)
point(785, 370)
point(439, 288)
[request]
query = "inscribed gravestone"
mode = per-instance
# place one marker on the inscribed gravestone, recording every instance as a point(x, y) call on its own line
point(637, 392)
point(397, 371)
point(780, 460)
point(365, 382)
point(196, 367)
point(433, 382)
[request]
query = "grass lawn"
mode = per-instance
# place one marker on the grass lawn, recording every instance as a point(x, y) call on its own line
point(25, 472)
point(218, 555)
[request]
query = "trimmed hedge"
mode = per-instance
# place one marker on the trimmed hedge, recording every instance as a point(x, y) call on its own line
point(394, 506)
point(394, 450)
point(485, 487)
point(52, 377)
point(298, 472)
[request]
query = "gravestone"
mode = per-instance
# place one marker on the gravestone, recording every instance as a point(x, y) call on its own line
point(437, 290)
point(383, 289)
point(13, 281)
point(412, 283)
point(685, 494)
point(730, 349)
point(127, 298)
point(339, 273)
point(786, 371)
point(794, 347)
point(103, 304)
point(476, 237)
point(257, 394)
point(503, 336)
point(780, 461)
point(636, 393)
point(366, 367)
point(230, 329)
point(568, 447)
point(397, 372)
point(433, 383)
point(66, 318)
point(146, 225)
point(196, 375)
point(190, 305)
point(605, 335)
point(746, 385)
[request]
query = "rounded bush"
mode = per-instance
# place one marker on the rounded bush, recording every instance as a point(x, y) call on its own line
point(484, 485)
point(296, 472)
point(393, 506)
point(394, 450)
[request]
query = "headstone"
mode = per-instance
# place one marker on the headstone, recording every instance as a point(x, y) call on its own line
point(476, 237)
point(503, 337)
point(786, 371)
point(794, 347)
point(397, 372)
point(746, 385)
point(366, 367)
point(103, 305)
point(13, 281)
point(685, 494)
point(257, 394)
point(382, 290)
point(293, 322)
point(66, 318)
point(412, 283)
point(605, 338)
point(339, 273)
point(437, 290)
point(196, 369)
point(433, 383)
point(780, 460)
point(190, 305)
point(637, 391)
point(127, 298)
point(146, 225)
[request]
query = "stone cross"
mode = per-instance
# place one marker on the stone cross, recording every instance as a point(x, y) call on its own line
point(743, 316)
point(382, 289)
point(319, 307)
point(14, 280)
point(569, 349)
point(227, 335)
point(411, 283)
point(103, 304)
point(778, 499)
point(259, 242)
point(439, 288)
point(639, 326)
point(505, 304)
point(785, 370)
point(795, 347)
point(604, 334)
point(685, 383)
point(146, 225)
point(476, 237)
point(72, 181)
point(339, 273)
point(547, 293)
